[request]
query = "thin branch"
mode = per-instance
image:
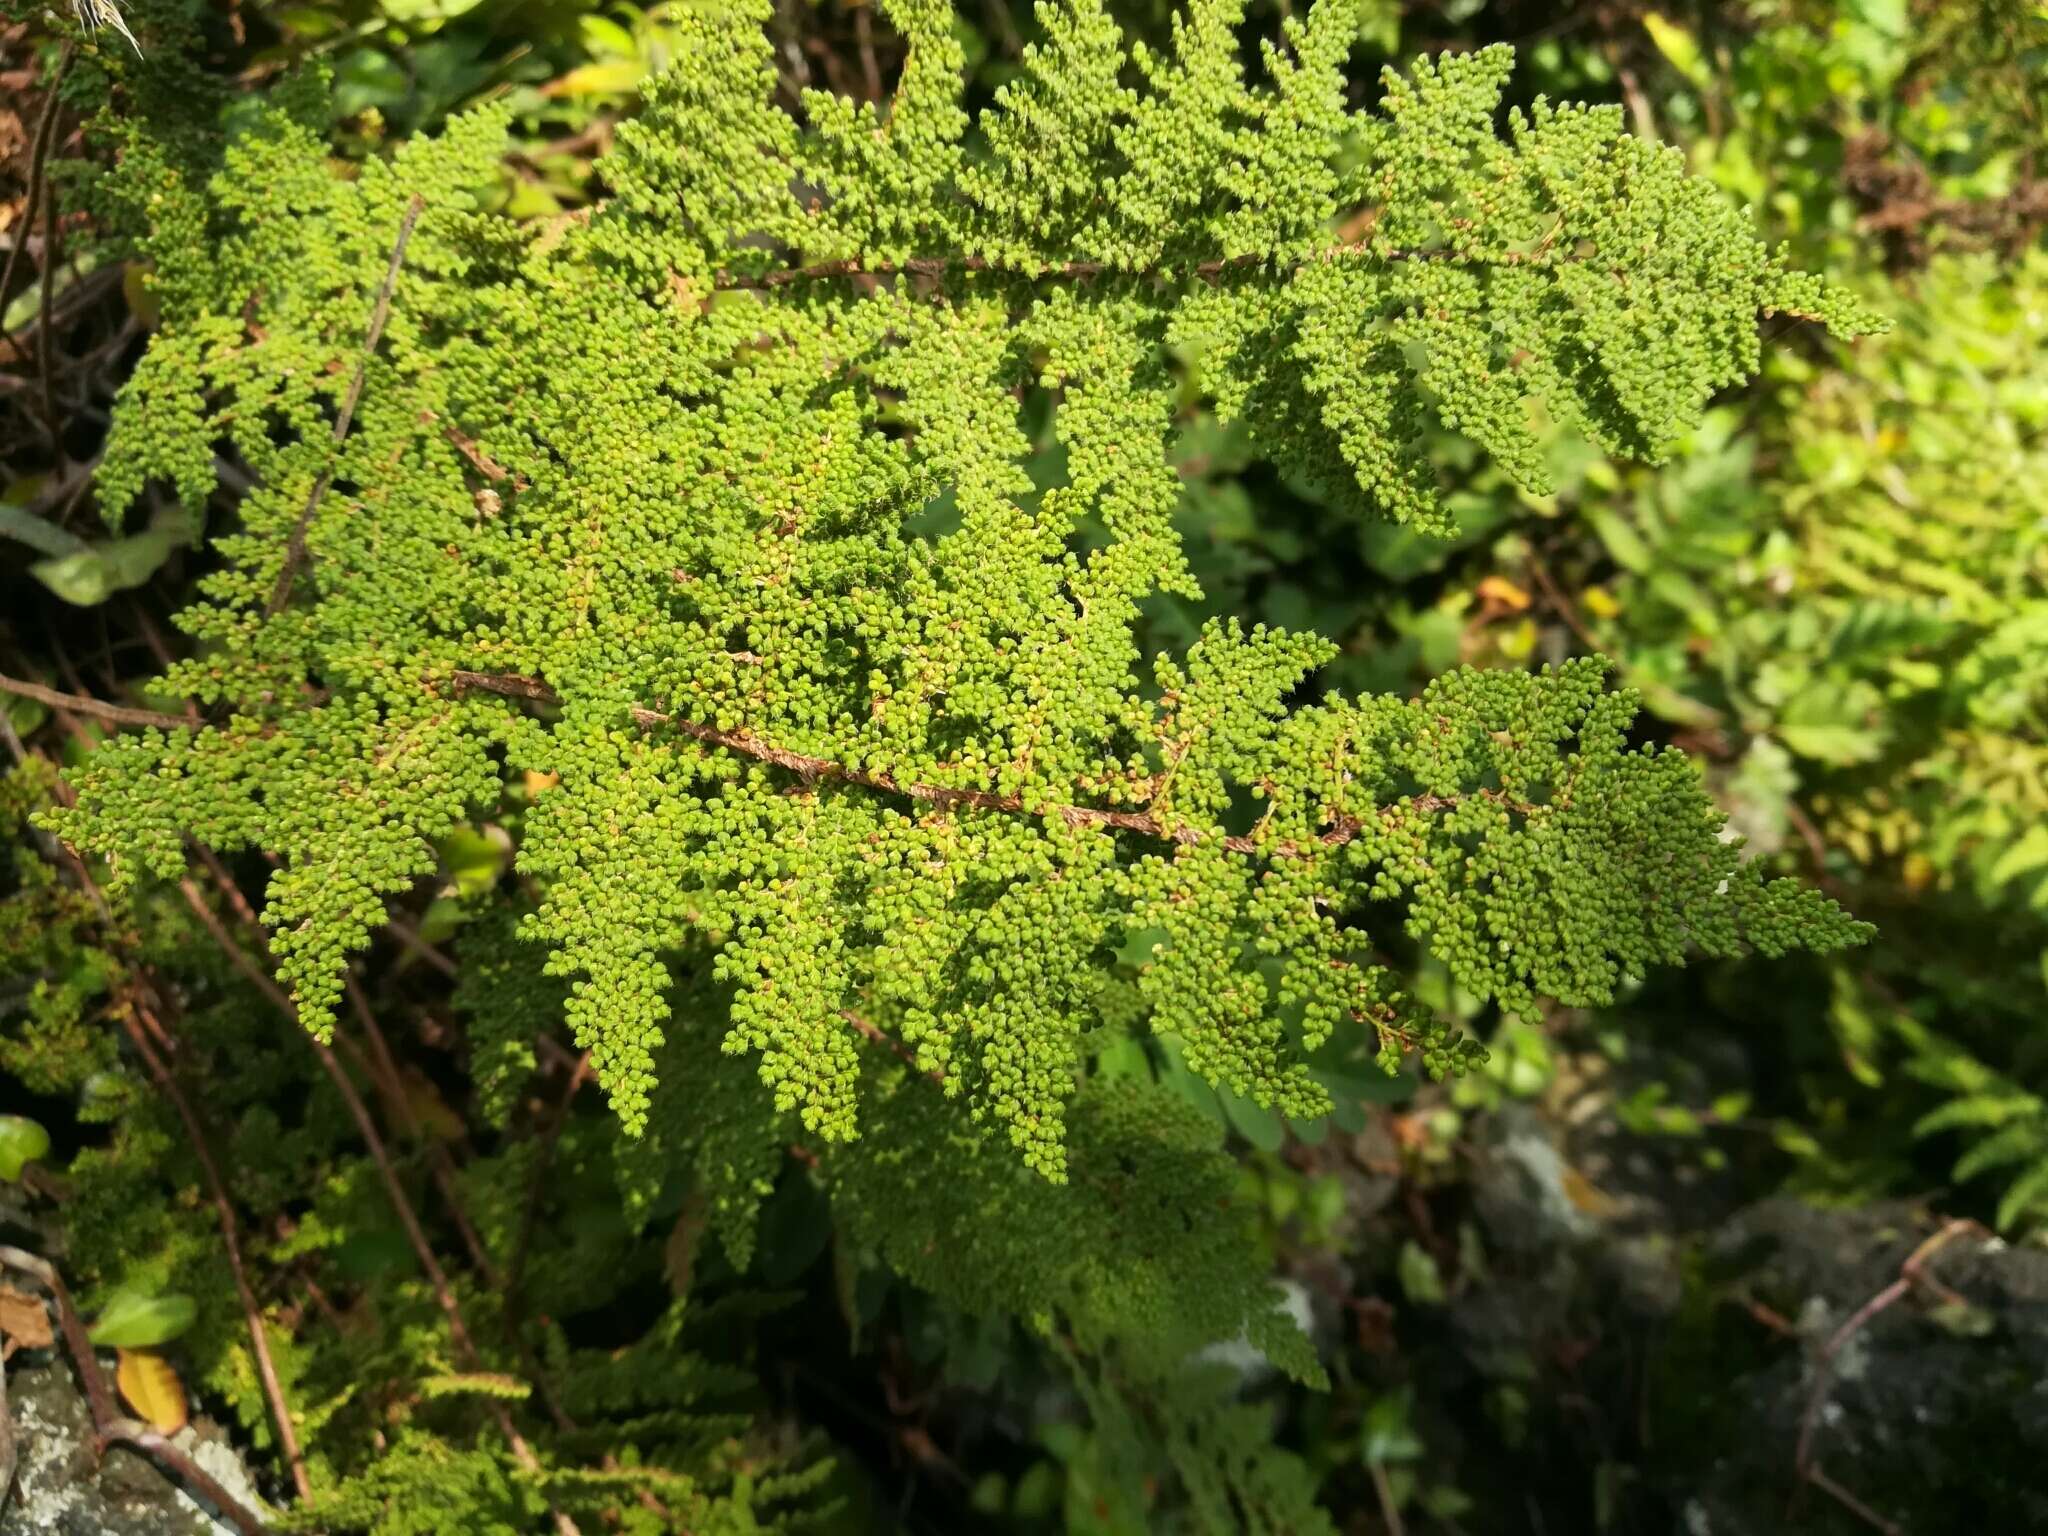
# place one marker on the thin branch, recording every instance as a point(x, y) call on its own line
point(1566, 608)
point(1912, 1272)
point(401, 1204)
point(238, 957)
point(1383, 1490)
point(410, 939)
point(438, 1163)
point(79, 704)
point(953, 266)
point(1144, 823)
point(244, 912)
point(529, 1216)
point(259, 1342)
point(1206, 271)
point(39, 156)
point(358, 1111)
point(46, 340)
point(1816, 845)
point(110, 1427)
point(874, 1035)
point(295, 546)
point(79, 297)
point(7, 1443)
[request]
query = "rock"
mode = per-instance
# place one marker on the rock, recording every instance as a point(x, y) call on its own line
point(1935, 1415)
point(1521, 1188)
point(60, 1491)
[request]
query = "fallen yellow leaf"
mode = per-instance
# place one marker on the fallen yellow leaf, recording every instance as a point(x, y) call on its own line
point(151, 1387)
point(1587, 1196)
point(1498, 589)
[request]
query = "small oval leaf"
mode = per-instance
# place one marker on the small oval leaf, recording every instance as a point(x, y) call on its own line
point(22, 1141)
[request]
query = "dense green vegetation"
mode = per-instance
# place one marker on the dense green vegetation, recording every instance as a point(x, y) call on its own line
point(842, 768)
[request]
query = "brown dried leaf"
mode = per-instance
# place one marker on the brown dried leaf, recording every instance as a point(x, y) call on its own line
point(24, 1319)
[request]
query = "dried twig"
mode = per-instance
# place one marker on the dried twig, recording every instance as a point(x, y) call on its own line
point(7, 1446)
point(266, 1369)
point(1566, 608)
point(387, 1171)
point(295, 545)
point(1911, 1273)
point(46, 328)
point(438, 1163)
point(79, 704)
point(38, 160)
point(110, 1427)
point(411, 940)
point(1383, 1490)
point(529, 1215)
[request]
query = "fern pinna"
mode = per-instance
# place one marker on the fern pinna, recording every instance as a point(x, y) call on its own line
point(707, 511)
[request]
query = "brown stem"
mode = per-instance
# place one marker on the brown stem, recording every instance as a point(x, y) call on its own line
point(295, 546)
point(1383, 1490)
point(387, 1171)
point(874, 1035)
point(7, 1442)
point(259, 1342)
point(410, 939)
point(529, 1216)
point(46, 339)
point(1144, 823)
point(239, 958)
point(1566, 608)
point(438, 1163)
point(38, 160)
point(79, 704)
point(229, 889)
point(1207, 271)
point(437, 1278)
point(1911, 1273)
point(110, 1427)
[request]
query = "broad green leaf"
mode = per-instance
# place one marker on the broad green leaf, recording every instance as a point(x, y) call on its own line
point(474, 859)
point(614, 77)
point(1255, 1123)
point(603, 35)
point(426, 14)
point(133, 1320)
point(94, 572)
point(1388, 1433)
point(1679, 47)
point(38, 534)
point(1827, 722)
point(1421, 1281)
point(2028, 854)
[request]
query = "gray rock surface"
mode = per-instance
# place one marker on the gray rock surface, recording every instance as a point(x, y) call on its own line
point(1935, 1415)
point(60, 1490)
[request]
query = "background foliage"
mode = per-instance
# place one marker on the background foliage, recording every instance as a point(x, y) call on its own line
point(1835, 594)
